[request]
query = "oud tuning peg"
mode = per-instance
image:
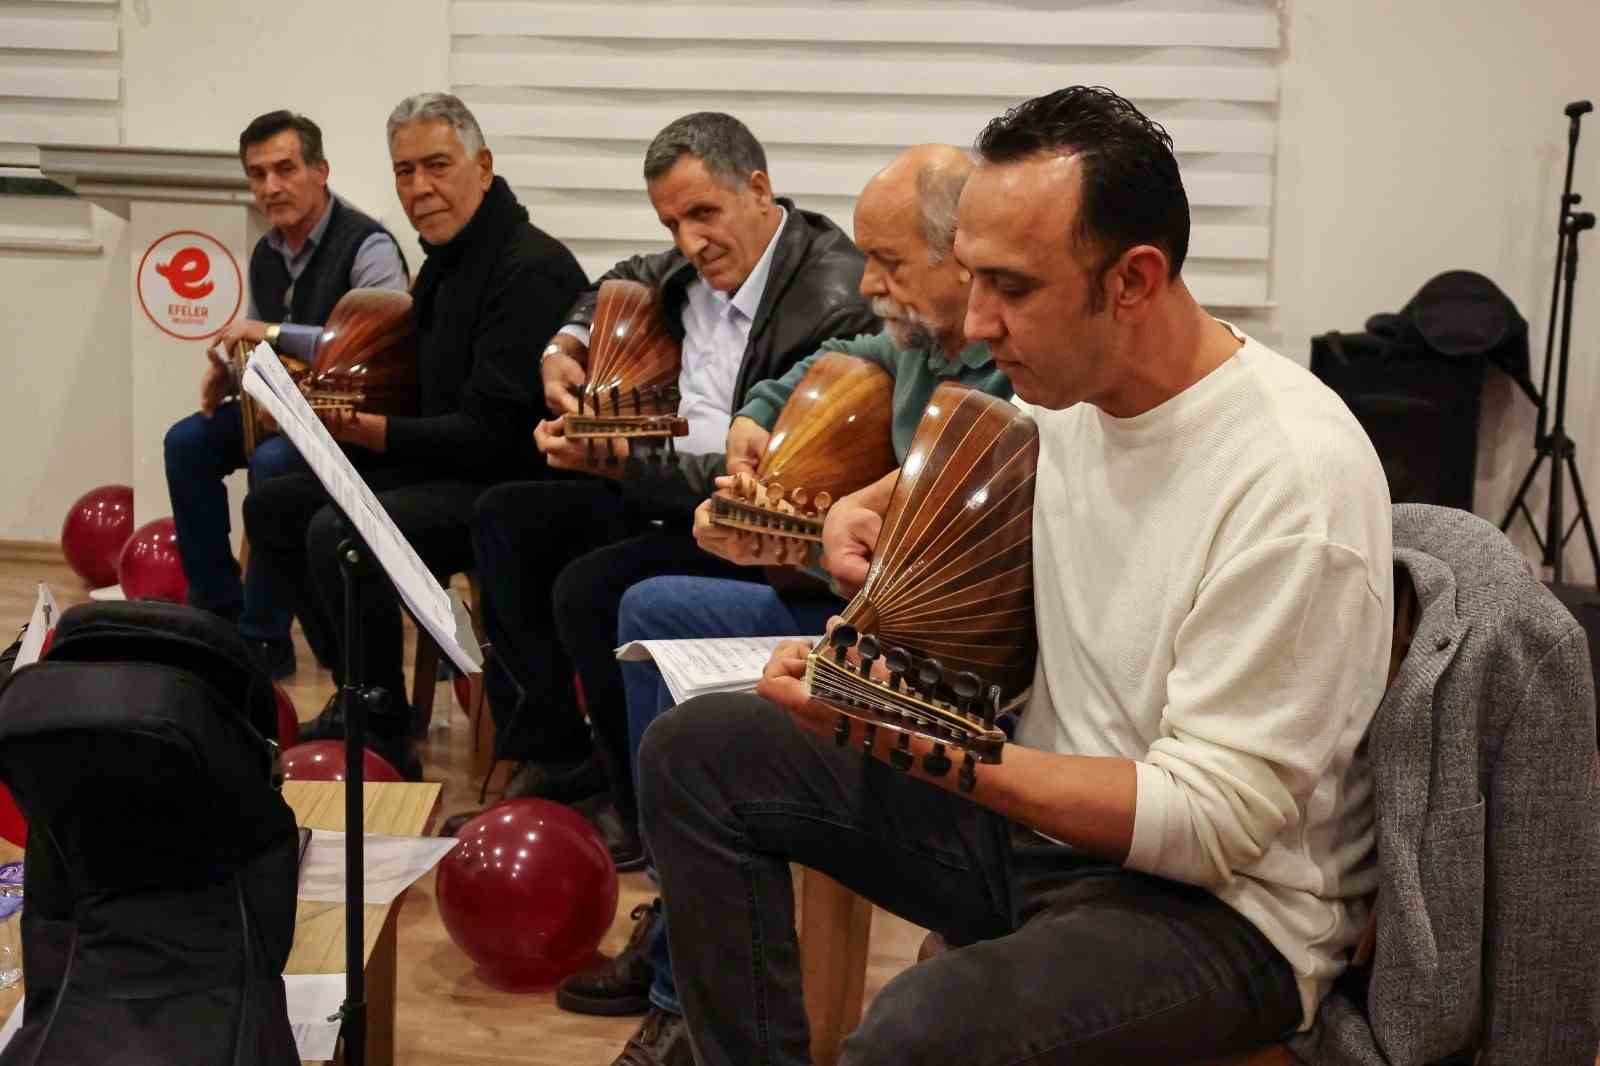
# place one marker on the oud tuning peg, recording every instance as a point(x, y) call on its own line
point(936, 763)
point(841, 731)
point(774, 493)
point(897, 662)
point(991, 707)
point(966, 686)
point(867, 649)
point(822, 501)
point(798, 497)
point(900, 756)
point(969, 773)
point(616, 400)
point(930, 672)
point(843, 638)
point(869, 734)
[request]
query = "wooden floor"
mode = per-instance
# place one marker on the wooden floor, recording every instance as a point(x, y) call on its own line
point(448, 1016)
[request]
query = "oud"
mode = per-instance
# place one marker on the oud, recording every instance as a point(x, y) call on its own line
point(832, 438)
point(942, 631)
point(632, 391)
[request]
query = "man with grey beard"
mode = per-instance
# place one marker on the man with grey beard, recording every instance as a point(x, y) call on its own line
point(905, 224)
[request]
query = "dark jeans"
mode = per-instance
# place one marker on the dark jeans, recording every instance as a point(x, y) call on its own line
point(294, 538)
point(200, 452)
point(554, 558)
point(686, 608)
point(1068, 959)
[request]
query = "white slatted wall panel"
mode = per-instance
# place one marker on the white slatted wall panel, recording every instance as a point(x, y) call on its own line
point(569, 95)
point(60, 72)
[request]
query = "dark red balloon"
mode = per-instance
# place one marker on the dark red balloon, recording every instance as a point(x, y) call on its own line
point(528, 893)
point(149, 568)
point(13, 826)
point(288, 720)
point(94, 531)
point(323, 760)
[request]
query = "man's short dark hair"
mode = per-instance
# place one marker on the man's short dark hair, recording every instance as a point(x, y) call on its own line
point(265, 127)
point(725, 145)
point(1132, 192)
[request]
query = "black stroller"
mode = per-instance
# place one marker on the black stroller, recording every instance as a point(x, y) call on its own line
point(158, 910)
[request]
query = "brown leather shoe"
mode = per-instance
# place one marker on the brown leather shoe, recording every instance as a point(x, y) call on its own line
point(622, 985)
point(661, 1040)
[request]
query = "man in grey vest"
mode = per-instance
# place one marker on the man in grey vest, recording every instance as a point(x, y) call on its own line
point(319, 248)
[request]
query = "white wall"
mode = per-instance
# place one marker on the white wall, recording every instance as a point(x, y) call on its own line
point(1427, 136)
point(1414, 138)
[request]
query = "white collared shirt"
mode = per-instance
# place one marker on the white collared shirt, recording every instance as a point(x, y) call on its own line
point(716, 330)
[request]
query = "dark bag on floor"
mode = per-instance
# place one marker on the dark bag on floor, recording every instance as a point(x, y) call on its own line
point(159, 905)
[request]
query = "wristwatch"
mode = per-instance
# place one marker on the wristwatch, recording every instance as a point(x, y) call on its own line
point(272, 334)
point(551, 349)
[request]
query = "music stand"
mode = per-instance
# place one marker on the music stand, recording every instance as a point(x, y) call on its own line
point(374, 541)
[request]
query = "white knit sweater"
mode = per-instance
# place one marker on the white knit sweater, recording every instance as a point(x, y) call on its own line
point(1213, 582)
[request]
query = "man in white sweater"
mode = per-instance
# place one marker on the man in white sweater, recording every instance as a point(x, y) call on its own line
point(1174, 859)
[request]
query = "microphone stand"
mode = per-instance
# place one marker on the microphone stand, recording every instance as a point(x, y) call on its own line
point(1556, 445)
point(354, 701)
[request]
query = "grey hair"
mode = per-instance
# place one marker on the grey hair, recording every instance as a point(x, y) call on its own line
point(439, 107)
point(725, 145)
point(938, 196)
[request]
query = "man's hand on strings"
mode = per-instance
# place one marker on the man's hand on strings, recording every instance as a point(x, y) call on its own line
point(585, 456)
point(358, 428)
point(216, 384)
point(562, 374)
point(782, 683)
point(747, 442)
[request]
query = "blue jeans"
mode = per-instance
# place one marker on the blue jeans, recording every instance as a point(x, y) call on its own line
point(200, 452)
point(682, 608)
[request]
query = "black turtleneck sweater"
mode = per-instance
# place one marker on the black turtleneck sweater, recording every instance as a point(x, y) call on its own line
point(485, 303)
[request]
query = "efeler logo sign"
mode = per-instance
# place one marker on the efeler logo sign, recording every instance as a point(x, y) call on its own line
point(189, 285)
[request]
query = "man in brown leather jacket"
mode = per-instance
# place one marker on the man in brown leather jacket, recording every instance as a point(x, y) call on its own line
point(753, 285)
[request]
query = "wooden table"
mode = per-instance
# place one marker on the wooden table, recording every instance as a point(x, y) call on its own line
point(392, 810)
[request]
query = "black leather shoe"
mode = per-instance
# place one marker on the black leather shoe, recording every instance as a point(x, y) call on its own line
point(563, 782)
point(387, 735)
point(277, 656)
point(662, 1039)
point(622, 985)
point(620, 834)
point(327, 725)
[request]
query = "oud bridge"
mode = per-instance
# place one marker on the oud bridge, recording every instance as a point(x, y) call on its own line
point(762, 507)
point(602, 417)
point(917, 700)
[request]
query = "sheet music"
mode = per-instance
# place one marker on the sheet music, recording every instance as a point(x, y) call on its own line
point(312, 998)
point(434, 608)
point(45, 614)
point(389, 865)
point(715, 664)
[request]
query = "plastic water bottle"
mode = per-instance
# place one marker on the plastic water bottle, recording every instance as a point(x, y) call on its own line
point(10, 924)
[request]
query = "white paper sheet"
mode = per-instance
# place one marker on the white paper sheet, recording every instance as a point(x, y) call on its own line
point(715, 664)
point(390, 865)
point(45, 614)
point(437, 610)
point(313, 997)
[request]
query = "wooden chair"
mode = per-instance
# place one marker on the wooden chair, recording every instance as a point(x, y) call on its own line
point(424, 682)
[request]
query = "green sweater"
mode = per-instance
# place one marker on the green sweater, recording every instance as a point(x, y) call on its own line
point(916, 374)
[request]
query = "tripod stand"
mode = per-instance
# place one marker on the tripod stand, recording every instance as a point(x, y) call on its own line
point(1556, 445)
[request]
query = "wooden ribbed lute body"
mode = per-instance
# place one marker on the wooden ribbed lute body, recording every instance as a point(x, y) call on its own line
point(832, 438)
point(948, 602)
point(366, 359)
point(632, 391)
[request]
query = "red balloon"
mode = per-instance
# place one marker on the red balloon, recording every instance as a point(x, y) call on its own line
point(94, 531)
point(149, 568)
point(288, 720)
point(13, 826)
point(323, 760)
point(528, 893)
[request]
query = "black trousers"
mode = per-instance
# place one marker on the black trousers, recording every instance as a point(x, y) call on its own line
point(1062, 958)
point(295, 534)
point(554, 558)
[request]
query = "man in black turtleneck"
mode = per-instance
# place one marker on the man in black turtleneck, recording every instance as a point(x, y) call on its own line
point(492, 286)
